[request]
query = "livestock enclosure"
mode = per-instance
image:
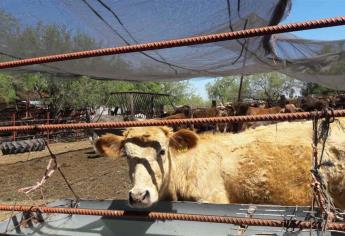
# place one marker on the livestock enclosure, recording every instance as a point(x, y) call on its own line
point(149, 105)
point(59, 177)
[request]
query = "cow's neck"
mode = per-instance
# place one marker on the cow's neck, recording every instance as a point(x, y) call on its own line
point(166, 191)
point(175, 186)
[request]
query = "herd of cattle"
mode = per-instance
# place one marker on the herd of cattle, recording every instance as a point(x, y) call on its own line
point(254, 108)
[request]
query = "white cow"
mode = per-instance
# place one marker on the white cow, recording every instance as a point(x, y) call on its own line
point(270, 164)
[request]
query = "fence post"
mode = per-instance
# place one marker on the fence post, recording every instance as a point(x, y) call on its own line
point(48, 131)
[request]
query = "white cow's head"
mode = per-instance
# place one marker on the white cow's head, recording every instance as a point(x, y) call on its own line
point(149, 152)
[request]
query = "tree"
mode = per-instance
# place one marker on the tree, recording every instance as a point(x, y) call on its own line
point(316, 89)
point(226, 88)
point(7, 90)
point(268, 86)
point(197, 101)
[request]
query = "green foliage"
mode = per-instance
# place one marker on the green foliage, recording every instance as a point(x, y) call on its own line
point(315, 89)
point(7, 90)
point(268, 86)
point(81, 92)
point(194, 101)
point(226, 88)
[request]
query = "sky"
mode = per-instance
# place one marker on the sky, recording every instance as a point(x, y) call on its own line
point(302, 10)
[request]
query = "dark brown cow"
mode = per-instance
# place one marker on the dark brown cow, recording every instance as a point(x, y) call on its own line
point(339, 101)
point(311, 104)
point(207, 112)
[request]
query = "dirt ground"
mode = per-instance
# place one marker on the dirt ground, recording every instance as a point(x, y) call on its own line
point(91, 177)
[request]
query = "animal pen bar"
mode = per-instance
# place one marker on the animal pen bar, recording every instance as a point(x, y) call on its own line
point(276, 29)
point(211, 120)
point(175, 216)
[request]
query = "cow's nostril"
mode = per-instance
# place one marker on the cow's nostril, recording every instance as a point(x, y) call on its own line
point(146, 195)
point(130, 197)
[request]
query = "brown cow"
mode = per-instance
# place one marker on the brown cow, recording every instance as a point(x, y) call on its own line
point(186, 112)
point(260, 111)
point(205, 112)
point(263, 111)
point(269, 165)
point(175, 117)
point(291, 108)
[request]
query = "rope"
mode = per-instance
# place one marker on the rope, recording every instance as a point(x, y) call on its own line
point(211, 120)
point(327, 22)
point(174, 216)
point(321, 195)
point(53, 156)
point(51, 168)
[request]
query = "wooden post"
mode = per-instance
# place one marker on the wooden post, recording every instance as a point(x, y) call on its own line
point(152, 107)
point(27, 108)
point(48, 132)
point(14, 123)
point(131, 105)
point(243, 65)
point(191, 116)
point(240, 89)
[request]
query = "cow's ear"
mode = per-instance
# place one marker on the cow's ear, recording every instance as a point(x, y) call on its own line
point(183, 140)
point(109, 145)
point(167, 130)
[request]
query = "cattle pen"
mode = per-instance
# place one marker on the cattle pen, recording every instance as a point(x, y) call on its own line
point(110, 217)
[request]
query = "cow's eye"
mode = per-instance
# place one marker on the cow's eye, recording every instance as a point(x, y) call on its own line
point(162, 152)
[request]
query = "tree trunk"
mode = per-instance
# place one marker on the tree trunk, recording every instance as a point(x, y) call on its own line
point(240, 89)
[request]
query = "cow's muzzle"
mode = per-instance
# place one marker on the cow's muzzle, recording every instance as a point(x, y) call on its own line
point(139, 198)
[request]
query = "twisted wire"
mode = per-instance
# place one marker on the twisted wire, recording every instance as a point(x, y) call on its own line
point(267, 30)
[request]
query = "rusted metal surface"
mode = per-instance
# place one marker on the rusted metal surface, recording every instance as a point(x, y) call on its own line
point(212, 120)
point(174, 216)
point(327, 22)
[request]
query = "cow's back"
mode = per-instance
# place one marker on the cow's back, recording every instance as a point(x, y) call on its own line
point(271, 164)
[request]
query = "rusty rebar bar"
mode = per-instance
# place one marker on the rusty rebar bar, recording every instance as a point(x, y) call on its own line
point(211, 120)
point(276, 29)
point(173, 216)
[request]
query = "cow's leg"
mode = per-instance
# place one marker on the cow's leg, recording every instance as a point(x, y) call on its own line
point(216, 129)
